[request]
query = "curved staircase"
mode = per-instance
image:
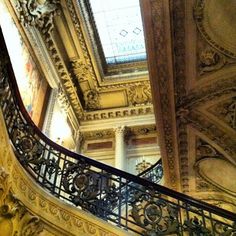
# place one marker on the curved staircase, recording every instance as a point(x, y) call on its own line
point(133, 203)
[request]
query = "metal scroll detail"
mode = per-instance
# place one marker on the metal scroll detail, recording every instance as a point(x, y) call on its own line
point(154, 214)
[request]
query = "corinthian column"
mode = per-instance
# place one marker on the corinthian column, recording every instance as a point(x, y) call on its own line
point(120, 149)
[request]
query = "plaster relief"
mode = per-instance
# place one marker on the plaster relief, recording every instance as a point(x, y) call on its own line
point(226, 111)
point(219, 173)
point(214, 20)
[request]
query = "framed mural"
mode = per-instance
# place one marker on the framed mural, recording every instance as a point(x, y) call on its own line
point(34, 88)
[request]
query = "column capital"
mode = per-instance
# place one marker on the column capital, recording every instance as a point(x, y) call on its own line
point(120, 129)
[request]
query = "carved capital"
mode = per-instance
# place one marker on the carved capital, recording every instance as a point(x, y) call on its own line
point(38, 14)
point(121, 130)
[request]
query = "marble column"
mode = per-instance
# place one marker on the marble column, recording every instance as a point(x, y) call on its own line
point(120, 148)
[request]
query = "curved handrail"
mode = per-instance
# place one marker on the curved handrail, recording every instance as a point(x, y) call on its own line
point(149, 208)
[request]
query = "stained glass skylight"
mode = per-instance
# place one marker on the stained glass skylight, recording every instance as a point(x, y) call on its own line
point(120, 29)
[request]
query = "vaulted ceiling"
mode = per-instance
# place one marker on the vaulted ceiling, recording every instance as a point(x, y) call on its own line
point(193, 78)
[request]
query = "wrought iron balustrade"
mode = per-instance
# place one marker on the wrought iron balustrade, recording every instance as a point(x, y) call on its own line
point(141, 206)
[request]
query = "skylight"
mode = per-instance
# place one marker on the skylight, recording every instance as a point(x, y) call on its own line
point(120, 29)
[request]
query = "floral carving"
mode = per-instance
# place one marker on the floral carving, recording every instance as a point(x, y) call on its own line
point(80, 69)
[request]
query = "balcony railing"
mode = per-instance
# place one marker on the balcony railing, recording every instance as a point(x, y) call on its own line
point(128, 201)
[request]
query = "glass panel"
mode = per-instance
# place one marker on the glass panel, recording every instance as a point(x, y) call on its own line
point(120, 29)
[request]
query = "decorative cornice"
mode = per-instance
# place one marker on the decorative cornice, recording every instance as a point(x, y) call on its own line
point(143, 130)
point(98, 134)
point(110, 133)
point(63, 100)
point(118, 113)
point(87, 59)
point(79, 69)
point(92, 100)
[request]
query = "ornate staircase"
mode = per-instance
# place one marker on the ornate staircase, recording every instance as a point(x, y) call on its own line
point(133, 203)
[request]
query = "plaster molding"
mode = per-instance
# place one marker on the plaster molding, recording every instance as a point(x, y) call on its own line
point(15, 217)
point(157, 25)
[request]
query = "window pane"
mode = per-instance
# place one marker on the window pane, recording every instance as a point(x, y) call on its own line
point(120, 29)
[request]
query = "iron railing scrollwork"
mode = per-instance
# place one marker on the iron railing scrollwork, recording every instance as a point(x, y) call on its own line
point(125, 200)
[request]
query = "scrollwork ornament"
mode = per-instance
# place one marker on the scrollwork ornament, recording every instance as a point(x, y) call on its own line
point(20, 221)
point(155, 215)
point(140, 94)
point(28, 146)
point(38, 14)
point(196, 227)
point(212, 60)
point(79, 182)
